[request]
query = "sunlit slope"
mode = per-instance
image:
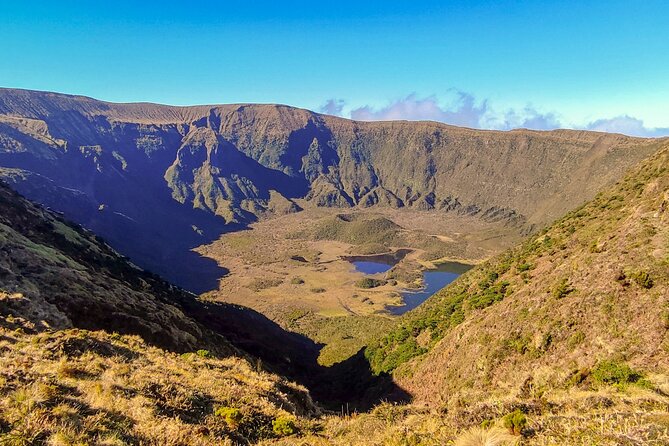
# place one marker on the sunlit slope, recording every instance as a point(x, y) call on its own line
point(590, 288)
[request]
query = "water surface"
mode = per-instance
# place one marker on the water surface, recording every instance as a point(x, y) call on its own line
point(368, 267)
point(433, 281)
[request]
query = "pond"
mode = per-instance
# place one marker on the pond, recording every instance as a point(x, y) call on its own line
point(433, 279)
point(371, 267)
point(377, 263)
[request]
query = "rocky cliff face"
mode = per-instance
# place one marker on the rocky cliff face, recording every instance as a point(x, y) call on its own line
point(157, 181)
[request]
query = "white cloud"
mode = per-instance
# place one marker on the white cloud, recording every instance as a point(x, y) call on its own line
point(527, 118)
point(467, 111)
point(627, 125)
point(333, 107)
point(463, 112)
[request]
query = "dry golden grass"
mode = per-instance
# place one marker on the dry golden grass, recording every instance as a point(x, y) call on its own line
point(608, 417)
point(479, 436)
point(77, 387)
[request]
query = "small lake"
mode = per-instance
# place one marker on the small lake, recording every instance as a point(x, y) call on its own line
point(378, 263)
point(433, 279)
point(367, 267)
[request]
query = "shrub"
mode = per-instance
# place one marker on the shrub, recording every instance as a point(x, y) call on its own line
point(615, 373)
point(490, 294)
point(231, 415)
point(262, 283)
point(368, 282)
point(204, 354)
point(297, 281)
point(643, 279)
point(283, 426)
point(515, 421)
point(524, 267)
point(317, 290)
point(562, 289)
point(457, 317)
point(577, 377)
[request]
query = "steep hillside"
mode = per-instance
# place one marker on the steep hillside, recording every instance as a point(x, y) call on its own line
point(71, 278)
point(157, 181)
point(59, 276)
point(125, 383)
point(584, 302)
point(74, 387)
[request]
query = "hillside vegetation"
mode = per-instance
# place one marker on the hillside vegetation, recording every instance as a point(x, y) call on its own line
point(588, 293)
point(561, 341)
point(75, 387)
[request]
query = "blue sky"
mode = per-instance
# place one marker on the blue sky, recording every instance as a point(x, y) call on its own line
point(501, 64)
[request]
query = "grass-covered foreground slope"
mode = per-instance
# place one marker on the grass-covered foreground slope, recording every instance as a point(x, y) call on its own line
point(76, 387)
point(587, 294)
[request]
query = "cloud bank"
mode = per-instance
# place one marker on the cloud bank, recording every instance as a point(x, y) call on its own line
point(466, 111)
point(463, 112)
point(628, 126)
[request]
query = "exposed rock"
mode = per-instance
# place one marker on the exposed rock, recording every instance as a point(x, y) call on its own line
point(159, 170)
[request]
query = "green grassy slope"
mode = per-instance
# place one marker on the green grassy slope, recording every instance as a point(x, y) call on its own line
point(591, 287)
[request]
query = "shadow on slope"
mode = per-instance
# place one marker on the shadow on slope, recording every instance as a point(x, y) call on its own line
point(350, 383)
point(67, 277)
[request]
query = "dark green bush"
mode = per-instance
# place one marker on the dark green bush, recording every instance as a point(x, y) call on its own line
point(617, 373)
point(524, 267)
point(562, 289)
point(515, 421)
point(204, 354)
point(643, 279)
point(368, 282)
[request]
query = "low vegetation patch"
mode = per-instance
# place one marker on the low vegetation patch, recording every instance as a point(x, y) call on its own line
point(617, 373)
point(283, 426)
point(643, 279)
point(515, 422)
point(562, 289)
point(232, 416)
point(262, 283)
point(296, 281)
point(368, 282)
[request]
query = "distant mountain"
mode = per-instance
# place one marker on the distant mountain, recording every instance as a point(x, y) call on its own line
point(584, 302)
point(157, 180)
